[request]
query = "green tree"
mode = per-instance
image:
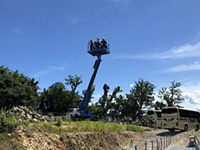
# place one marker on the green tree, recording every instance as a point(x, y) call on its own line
point(173, 95)
point(17, 89)
point(74, 82)
point(130, 107)
point(107, 102)
point(56, 99)
point(158, 105)
point(118, 106)
point(96, 109)
point(141, 95)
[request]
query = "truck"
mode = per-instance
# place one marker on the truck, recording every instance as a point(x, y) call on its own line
point(96, 48)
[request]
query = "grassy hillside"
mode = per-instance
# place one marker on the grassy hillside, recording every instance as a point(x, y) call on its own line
point(79, 135)
point(83, 126)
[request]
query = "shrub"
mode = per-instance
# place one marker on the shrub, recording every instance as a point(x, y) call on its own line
point(82, 126)
point(134, 128)
point(2, 115)
point(3, 136)
point(7, 122)
point(50, 114)
point(59, 121)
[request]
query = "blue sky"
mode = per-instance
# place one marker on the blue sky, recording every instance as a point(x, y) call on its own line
point(157, 40)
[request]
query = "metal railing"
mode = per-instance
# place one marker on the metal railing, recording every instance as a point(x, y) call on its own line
point(197, 143)
point(157, 144)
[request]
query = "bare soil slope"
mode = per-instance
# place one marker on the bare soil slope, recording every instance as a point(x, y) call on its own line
point(26, 139)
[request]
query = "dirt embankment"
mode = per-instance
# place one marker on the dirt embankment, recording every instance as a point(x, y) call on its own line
point(26, 139)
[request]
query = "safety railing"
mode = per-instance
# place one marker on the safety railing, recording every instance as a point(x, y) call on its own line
point(157, 144)
point(197, 143)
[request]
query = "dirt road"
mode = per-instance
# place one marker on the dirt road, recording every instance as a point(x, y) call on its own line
point(177, 137)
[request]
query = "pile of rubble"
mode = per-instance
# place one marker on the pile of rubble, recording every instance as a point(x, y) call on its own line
point(23, 113)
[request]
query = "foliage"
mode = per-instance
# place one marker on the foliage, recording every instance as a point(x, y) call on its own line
point(59, 121)
point(83, 126)
point(158, 105)
point(8, 123)
point(141, 96)
point(134, 128)
point(50, 114)
point(74, 82)
point(118, 106)
point(172, 96)
point(107, 102)
point(3, 136)
point(57, 99)
point(17, 89)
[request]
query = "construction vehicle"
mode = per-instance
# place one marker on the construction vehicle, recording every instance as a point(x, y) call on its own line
point(96, 48)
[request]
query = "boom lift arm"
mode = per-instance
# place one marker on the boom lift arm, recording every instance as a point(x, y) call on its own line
point(83, 107)
point(96, 48)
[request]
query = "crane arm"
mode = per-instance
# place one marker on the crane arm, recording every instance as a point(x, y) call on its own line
point(84, 103)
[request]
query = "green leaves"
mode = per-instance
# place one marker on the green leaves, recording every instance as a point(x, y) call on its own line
point(57, 99)
point(141, 95)
point(118, 106)
point(172, 96)
point(17, 89)
point(74, 82)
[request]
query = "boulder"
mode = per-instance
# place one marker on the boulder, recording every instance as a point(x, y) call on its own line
point(23, 113)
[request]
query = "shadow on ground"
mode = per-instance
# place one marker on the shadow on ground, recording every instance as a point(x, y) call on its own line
point(167, 133)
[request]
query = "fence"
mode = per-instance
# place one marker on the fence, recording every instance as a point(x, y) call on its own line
point(157, 144)
point(197, 143)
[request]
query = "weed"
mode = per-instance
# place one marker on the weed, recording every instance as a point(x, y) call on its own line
point(59, 121)
point(3, 136)
point(50, 114)
point(28, 134)
point(8, 122)
point(83, 126)
point(134, 128)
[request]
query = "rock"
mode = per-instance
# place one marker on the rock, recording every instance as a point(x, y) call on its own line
point(22, 113)
point(34, 120)
point(28, 116)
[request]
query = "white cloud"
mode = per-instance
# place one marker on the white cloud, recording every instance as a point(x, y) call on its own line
point(48, 70)
point(184, 67)
point(184, 51)
point(191, 94)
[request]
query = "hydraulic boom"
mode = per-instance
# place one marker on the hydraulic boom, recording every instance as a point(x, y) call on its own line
point(96, 48)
